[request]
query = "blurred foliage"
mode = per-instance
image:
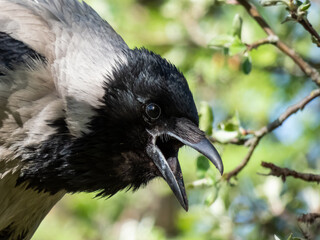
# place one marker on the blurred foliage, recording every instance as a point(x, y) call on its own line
point(205, 39)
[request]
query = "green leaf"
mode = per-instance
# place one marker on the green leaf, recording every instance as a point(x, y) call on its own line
point(221, 41)
point(305, 6)
point(314, 39)
point(232, 124)
point(303, 9)
point(229, 130)
point(236, 47)
point(202, 166)
point(232, 45)
point(211, 198)
point(247, 65)
point(231, 127)
point(225, 136)
point(237, 26)
point(203, 163)
point(205, 118)
point(226, 51)
point(290, 237)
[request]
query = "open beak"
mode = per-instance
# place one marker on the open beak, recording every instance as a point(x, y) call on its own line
point(165, 155)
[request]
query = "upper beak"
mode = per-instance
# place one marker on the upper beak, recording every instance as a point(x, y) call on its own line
point(189, 134)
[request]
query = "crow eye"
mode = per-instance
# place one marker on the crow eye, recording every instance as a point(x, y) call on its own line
point(153, 111)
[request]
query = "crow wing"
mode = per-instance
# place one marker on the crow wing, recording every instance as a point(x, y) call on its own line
point(54, 59)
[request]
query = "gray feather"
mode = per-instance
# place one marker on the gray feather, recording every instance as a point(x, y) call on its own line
point(80, 49)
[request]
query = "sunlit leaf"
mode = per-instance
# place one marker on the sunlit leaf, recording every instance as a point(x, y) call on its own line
point(237, 26)
point(212, 196)
point(230, 125)
point(225, 136)
point(221, 41)
point(305, 6)
point(205, 118)
point(236, 47)
point(291, 237)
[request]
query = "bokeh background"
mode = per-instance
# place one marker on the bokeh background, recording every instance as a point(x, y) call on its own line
point(249, 207)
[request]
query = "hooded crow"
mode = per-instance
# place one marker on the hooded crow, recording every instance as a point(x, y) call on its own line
point(82, 112)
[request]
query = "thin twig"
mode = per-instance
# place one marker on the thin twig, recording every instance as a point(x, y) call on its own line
point(286, 172)
point(304, 66)
point(268, 40)
point(244, 162)
point(307, 26)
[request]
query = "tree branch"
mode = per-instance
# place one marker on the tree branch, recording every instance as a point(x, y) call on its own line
point(286, 172)
point(304, 66)
point(309, 218)
point(234, 172)
point(271, 39)
point(306, 228)
point(253, 142)
point(307, 26)
point(290, 111)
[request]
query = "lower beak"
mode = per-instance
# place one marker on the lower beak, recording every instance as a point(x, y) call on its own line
point(171, 172)
point(189, 134)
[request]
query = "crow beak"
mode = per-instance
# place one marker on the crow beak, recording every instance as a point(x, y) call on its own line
point(173, 176)
point(165, 157)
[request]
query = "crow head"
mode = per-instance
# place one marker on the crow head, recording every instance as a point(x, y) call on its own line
point(147, 114)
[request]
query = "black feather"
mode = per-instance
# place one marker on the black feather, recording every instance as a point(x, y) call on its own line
point(9, 231)
point(14, 53)
point(112, 156)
